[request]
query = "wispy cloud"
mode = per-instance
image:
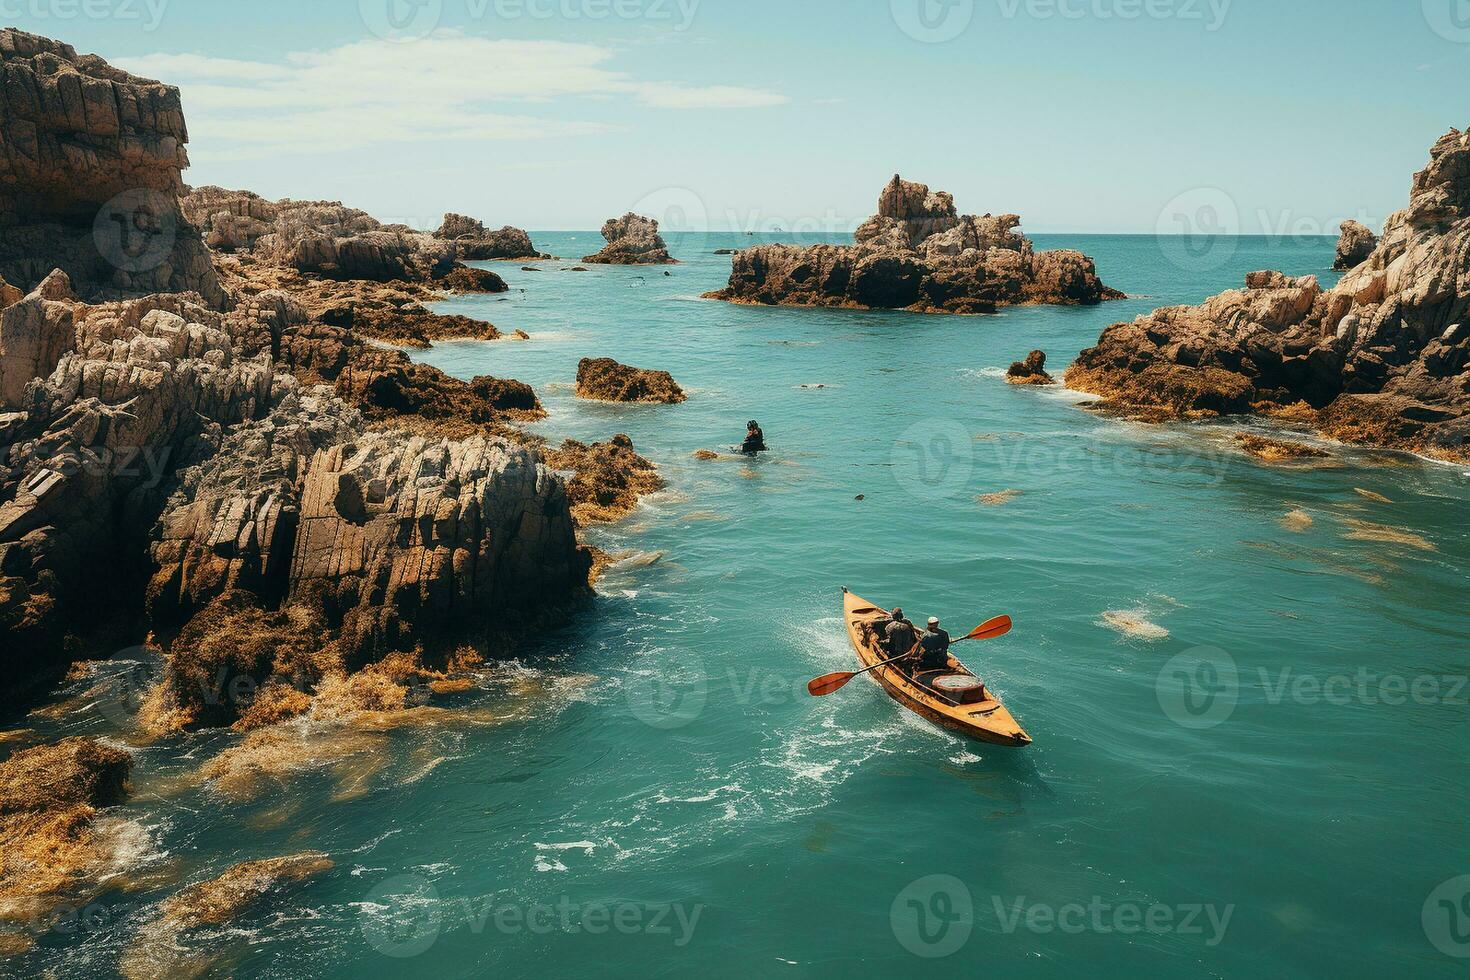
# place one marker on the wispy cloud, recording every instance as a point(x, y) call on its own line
point(446, 87)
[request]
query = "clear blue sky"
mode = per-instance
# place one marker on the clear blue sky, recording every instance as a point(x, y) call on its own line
point(1071, 113)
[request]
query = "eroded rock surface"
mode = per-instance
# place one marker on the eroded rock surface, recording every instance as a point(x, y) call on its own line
point(92, 158)
point(1380, 358)
point(604, 379)
point(632, 240)
point(1031, 371)
point(474, 242)
point(917, 253)
point(1355, 246)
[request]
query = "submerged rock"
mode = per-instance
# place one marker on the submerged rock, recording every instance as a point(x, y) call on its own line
point(632, 240)
point(167, 946)
point(1277, 450)
point(1031, 371)
point(917, 253)
point(1380, 358)
point(604, 379)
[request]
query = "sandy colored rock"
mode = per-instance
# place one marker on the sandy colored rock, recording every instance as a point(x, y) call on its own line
point(1031, 371)
point(604, 379)
point(1355, 246)
point(917, 253)
point(632, 240)
point(1381, 358)
point(1277, 450)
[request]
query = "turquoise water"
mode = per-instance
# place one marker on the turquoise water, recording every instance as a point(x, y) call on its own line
point(1226, 778)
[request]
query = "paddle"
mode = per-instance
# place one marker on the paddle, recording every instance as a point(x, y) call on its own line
point(831, 683)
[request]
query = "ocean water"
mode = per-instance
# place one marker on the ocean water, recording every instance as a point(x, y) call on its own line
point(1245, 683)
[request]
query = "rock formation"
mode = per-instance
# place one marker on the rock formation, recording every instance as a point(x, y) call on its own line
point(1031, 371)
point(917, 253)
point(632, 240)
point(92, 158)
point(604, 379)
point(474, 242)
point(606, 479)
point(1380, 358)
point(163, 454)
point(55, 846)
point(1355, 245)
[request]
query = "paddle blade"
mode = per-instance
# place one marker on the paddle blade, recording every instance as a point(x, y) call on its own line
point(823, 686)
point(999, 626)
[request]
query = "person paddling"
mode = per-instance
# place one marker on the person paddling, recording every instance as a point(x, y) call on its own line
point(899, 634)
point(755, 439)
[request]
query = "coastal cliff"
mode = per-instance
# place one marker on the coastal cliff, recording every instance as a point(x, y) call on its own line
point(233, 445)
point(1381, 358)
point(917, 253)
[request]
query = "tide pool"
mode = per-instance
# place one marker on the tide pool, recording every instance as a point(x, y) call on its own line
point(1246, 683)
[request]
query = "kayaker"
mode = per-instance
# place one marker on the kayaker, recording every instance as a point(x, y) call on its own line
point(934, 647)
point(899, 634)
point(755, 439)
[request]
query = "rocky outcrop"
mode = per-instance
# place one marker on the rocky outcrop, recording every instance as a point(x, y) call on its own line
point(917, 253)
point(56, 848)
point(605, 479)
point(92, 158)
point(1355, 246)
point(632, 240)
point(474, 242)
point(1031, 371)
point(122, 394)
point(604, 379)
point(1380, 358)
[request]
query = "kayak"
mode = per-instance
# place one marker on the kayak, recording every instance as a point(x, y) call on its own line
point(952, 698)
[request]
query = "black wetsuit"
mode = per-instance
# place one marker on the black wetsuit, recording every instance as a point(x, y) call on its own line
point(755, 442)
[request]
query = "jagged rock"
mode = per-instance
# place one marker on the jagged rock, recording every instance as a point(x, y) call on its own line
point(55, 849)
point(1031, 371)
point(475, 242)
point(1355, 245)
point(632, 240)
point(604, 379)
point(465, 280)
point(92, 162)
point(140, 388)
point(1382, 356)
point(917, 253)
point(9, 294)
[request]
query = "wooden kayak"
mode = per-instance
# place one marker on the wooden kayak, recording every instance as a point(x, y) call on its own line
point(986, 720)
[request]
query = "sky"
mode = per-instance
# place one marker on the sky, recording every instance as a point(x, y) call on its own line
point(1137, 116)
